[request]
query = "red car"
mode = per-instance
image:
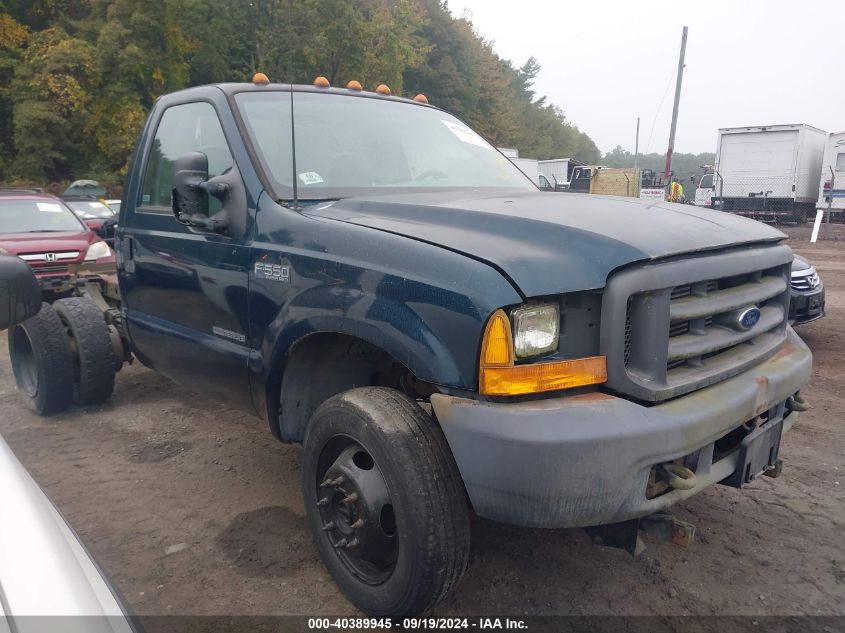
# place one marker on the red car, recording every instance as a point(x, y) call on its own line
point(45, 233)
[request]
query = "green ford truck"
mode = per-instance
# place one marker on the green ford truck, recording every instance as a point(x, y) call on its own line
point(380, 284)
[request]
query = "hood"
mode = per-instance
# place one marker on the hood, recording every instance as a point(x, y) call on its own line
point(20, 243)
point(799, 263)
point(550, 243)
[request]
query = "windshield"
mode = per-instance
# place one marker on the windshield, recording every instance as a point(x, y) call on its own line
point(90, 209)
point(348, 146)
point(36, 216)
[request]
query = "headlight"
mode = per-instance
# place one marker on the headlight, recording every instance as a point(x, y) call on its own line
point(98, 250)
point(536, 330)
point(500, 376)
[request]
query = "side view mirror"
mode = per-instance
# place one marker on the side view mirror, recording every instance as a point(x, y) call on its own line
point(20, 294)
point(190, 201)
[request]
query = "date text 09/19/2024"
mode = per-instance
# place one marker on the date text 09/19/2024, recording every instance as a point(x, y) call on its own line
point(435, 624)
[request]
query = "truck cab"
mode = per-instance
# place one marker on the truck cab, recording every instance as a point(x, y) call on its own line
point(378, 283)
point(705, 190)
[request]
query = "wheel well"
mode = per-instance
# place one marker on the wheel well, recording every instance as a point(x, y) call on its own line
point(322, 365)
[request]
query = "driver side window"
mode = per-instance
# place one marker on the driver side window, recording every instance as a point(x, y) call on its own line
point(190, 127)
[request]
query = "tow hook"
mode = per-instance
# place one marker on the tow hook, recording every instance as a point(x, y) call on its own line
point(797, 403)
point(678, 477)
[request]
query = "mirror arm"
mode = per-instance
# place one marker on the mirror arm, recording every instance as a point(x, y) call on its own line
point(199, 221)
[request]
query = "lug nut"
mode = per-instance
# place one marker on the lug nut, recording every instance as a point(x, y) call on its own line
point(323, 502)
point(358, 524)
point(351, 498)
point(353, 543)
point(332, 482)
point(341, 543)
point(328, 526)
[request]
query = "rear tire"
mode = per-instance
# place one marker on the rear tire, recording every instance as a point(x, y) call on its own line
point(379, 449)
point(90, 344)
point(42, 363)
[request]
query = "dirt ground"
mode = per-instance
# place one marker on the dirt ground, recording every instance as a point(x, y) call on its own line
point(192, 508)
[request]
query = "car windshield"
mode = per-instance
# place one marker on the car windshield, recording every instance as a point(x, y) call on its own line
point(348, 146)
point(36, 216)
point(90, 209)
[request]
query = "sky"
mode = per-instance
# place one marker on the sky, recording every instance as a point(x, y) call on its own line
point(748, 62)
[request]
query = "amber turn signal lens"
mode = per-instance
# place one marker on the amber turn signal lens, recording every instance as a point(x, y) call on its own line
point(538, 377)
point(497, 346)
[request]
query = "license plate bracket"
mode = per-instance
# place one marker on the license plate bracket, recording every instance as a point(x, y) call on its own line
point(758, 452)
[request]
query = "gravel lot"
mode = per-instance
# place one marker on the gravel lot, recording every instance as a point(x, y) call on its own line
point(192, 508)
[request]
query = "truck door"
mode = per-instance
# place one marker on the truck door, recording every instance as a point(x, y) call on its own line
point(184, 288)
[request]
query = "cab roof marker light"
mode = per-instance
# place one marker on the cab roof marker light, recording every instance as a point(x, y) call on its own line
point(322, 82)
point(383, 89)
point(260, 79)
point(421, 98)
point(354, 85)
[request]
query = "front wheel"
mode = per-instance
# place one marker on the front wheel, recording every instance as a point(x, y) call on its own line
point(385, 502)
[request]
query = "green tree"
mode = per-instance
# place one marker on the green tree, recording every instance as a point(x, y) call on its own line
point(77, 77)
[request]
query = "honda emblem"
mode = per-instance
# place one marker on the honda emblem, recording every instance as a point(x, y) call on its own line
point(50, 257)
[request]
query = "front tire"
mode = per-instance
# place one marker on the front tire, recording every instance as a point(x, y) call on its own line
point(42, 363)
point(385, 502)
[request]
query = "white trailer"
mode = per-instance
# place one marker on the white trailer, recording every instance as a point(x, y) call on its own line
point(832, 183)
point(529, 167)
point(769, 172)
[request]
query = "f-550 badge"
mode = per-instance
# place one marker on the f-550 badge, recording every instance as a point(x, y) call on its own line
point(273, 272)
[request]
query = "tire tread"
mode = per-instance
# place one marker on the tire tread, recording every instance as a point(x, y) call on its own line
point(96, 357)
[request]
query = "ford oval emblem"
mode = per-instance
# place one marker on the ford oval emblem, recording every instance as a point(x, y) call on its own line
point(748, 318)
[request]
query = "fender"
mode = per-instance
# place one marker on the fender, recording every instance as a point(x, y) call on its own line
point(423, 305)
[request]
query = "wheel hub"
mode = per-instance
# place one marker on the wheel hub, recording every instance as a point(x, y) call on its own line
point(357, 514)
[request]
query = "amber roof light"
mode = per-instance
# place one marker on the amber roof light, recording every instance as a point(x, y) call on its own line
point(383, 89)
point(260, 78)
point(354, 85)
point(421, 98)
point(322, 82)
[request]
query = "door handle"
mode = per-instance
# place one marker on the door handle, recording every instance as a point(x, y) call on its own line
point(127, 253)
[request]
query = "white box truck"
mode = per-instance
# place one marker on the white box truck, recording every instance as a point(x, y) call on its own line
point(832, 183)
point(558, 171)
point(769, 172)
point(529, 167)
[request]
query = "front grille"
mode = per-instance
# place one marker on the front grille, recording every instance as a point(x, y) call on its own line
point(805, 282)
point(49, 257)
point(49, 269)
point(673, 327)
point(704, 323)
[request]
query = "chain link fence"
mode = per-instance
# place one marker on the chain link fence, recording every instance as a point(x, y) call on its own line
point(788, 197)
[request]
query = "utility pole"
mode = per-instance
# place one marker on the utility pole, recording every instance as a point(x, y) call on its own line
point(675, 109)
point(637, 144)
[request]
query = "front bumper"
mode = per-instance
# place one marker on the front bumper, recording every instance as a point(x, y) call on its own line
point(585, 460)
point(806, 306)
